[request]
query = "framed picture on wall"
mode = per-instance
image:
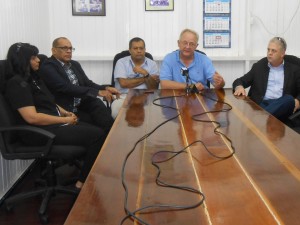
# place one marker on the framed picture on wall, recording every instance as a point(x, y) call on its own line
point(88, 7)
point(159, 5)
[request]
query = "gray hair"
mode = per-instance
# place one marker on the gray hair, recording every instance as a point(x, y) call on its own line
point(280, 41)
point(189, 31)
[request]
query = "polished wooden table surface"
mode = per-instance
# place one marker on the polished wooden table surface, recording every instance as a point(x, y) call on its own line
point(258, 185)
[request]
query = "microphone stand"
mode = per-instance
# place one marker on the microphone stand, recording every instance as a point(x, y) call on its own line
point(185, 72)
point(187, 88)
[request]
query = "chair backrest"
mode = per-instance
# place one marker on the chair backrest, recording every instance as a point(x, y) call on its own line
point(2, 75)
point(42, 58)
point(6, 114)
point(7, 139)
point(292, 59)
point(122, 55)
point(296, 116)
point(200, 52)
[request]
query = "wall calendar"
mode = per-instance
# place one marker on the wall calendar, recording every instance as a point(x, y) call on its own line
point(216, 23)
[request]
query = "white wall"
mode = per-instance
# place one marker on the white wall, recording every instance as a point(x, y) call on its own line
point(104, 36)
point(269, 18)
point(24, 21)
point(98, 38)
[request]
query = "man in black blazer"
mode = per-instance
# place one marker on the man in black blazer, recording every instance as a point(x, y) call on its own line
point(72, 89)
point(274, 82)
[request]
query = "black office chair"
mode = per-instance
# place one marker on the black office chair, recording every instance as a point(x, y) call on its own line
point(295, 118)
point(2, 74)
point(12, 147)
point(42, 58)
point(122, 55)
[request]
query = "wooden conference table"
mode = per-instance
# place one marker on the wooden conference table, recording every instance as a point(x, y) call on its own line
point(258, 184)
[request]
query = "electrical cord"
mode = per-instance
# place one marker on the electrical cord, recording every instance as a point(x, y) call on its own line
point(132, 214)
point(218, 125)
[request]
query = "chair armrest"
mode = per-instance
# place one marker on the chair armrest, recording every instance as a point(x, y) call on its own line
point(12, 151)
point(29, 128)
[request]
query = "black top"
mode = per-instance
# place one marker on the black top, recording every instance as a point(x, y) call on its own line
point(21, 93)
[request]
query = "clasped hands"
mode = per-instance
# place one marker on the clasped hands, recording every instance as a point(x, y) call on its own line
point(72, 119)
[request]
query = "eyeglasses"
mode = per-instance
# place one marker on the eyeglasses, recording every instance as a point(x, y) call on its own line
point(191, 44)
point(65, 48)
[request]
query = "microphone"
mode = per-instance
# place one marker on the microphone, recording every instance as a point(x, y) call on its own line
point(184, 72)
point(189, 88)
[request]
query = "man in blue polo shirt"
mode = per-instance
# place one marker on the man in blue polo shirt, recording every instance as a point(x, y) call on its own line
point(188, 67)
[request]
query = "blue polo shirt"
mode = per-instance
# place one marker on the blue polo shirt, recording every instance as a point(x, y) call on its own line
point(200, 70)
point(124, 69)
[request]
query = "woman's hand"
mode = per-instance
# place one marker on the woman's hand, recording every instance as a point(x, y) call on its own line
point(71, 119)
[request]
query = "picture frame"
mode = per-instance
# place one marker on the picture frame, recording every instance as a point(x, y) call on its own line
point(159, 5)
point(88, 8)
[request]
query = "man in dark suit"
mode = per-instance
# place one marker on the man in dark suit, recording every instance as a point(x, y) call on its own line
point(274, 82)
point(72, 89)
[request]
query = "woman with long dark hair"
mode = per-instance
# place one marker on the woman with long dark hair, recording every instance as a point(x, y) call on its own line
point(35, 105)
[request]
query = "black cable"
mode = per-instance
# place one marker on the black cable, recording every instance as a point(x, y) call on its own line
point(218, 125)
point(127, 211)
point(159, 182)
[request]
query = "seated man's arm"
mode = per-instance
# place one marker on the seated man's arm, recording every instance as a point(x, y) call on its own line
point(150, 78)
point(152, 81)
point(247, 80)
point(166, 76)
point(239, 90)
point(218, 81)
point(170, 84)
point(131, 82)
